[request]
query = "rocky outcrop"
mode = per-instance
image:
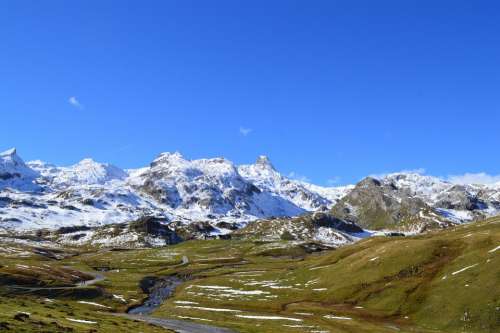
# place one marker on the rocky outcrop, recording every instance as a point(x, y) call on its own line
point(375, 204)
point(156, 228)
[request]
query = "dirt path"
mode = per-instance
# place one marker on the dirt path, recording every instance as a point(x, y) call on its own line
point(97, 277)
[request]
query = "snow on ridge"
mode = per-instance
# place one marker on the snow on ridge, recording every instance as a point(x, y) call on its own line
point(172, 187)
point(87, 172)
point(177, 188)
point(15, 174)
point(12, 165)
point(263, 175)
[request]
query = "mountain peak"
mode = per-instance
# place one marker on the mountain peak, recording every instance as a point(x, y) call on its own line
point(12, 166)
point(10, 157)
point(264, 161)
point(168, 154)
point(9, 152)
point(86, 161)
point(167, 158)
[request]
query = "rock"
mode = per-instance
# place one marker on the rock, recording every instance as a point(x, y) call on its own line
point(21, 316)
point(155, 227)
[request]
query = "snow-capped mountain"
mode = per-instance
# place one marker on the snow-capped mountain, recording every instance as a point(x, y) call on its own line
point(413, 202)
point(215, 196)
point(15, 173)
point(171, 187)
point(468, 202)
point(86, 172)
point(208, 188)
point(310, 197)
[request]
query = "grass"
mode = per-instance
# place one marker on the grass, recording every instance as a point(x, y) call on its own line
point(444, 281)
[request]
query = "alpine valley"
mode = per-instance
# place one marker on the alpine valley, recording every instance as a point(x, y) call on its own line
point(209, 246)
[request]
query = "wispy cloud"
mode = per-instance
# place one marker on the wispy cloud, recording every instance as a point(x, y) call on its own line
point(474, 178)
point(245, 131)
point(75, 102)
point(299, 177)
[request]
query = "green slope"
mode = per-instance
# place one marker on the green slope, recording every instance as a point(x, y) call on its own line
point(444, 281)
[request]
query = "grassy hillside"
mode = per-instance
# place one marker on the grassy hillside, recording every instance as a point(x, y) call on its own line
point(445, 281)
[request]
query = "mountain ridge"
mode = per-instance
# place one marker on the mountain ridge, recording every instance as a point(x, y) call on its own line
point(224, 196)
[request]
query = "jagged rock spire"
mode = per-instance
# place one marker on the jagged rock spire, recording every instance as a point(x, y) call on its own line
point(264, 161)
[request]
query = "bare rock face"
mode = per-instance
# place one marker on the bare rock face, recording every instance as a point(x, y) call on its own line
point(154, 227)
point(377, 205)
point(321, 219)
point(460, 197)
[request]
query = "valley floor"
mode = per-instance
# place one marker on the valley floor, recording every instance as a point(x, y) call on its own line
point(444, 281)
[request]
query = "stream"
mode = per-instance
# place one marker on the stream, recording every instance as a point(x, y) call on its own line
point(160, 290)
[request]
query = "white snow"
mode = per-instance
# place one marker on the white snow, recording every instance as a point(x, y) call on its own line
point(37, 195)
point(81, 321)
point(94, 304)
point(464, 269)
point(91, 193)
point(495, 249)
point(269, 318)
point(193, 318)
point(336, 317)
point(206, 309)
point(185, 302)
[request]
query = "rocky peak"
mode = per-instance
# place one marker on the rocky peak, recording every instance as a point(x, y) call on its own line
point(9, 152)
point(10, 156)
point(369, 182)
point(168, 158)
point(12, 166)
point(264, 162)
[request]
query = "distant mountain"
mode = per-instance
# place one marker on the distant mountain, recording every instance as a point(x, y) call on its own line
point(215, 197)
point(307, 196)
point(39, 195)
point(86, 172)
point(14, 173)
point(412, 202)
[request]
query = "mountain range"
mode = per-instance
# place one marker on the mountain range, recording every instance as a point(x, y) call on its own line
point(215, 197)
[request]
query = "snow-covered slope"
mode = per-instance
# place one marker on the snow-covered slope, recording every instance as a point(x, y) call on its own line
point(208, 188)
point(172, 187)
point(310, 197)
point(215, 196)
point(86, 172)
point(14, 173)
point(413, 202)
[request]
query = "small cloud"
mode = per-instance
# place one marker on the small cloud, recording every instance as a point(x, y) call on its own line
point(299, 177)
point(333, 181)
point(75, 102)
point(245, 131)
point(474, 178)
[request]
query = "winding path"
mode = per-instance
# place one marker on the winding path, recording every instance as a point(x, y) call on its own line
point(85, 283)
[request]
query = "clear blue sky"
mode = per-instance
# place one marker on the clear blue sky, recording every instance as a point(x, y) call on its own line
point(328, 89)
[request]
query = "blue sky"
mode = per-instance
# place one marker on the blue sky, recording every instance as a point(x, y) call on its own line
point(330, 90)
